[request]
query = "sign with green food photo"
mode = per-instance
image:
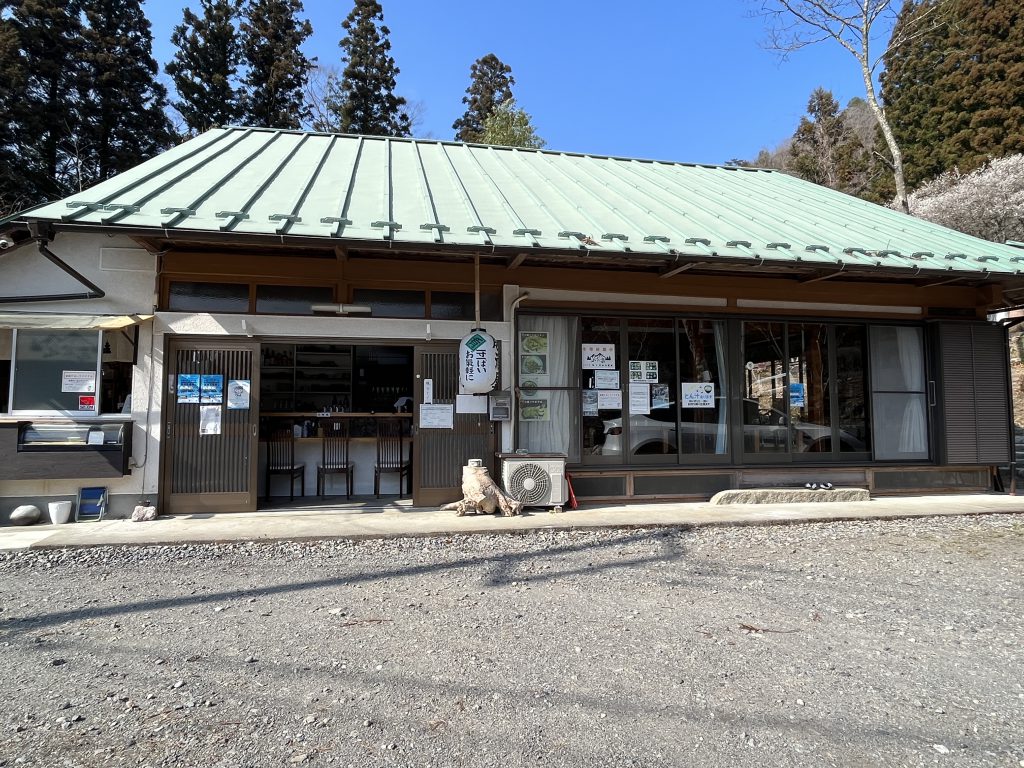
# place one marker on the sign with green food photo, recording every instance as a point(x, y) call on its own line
point(535, 409)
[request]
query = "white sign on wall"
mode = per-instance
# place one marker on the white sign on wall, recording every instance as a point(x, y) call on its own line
point(439, 416)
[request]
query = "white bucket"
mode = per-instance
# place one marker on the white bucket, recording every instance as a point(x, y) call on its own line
point(60, 511)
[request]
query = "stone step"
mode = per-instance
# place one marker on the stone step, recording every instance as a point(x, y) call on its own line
point(789, 496)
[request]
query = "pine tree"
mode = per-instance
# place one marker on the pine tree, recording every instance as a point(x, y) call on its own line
point(277, 69)
point(124, 121)
point(205, 65)
point(364, 100)
point(12, 80)
point(490, 84)
point(510, 126)
point(42, 79)
point(816, 143)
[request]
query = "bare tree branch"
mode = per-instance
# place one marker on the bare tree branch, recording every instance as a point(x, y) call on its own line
point(853, 24)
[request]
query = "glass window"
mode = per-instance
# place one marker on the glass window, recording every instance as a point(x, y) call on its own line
point(56, 371)
point(702, 363)
point(651, 380)
point(449, 305)
point(603, 433)
point(208, 297)
point(547, 370)
point(898, 402)
point(766, 379)
point(810, 397)
point(392, 303)
point(851, 387)
point(6, 350)
point(291, 299)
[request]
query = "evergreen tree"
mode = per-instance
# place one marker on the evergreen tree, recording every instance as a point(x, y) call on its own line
point(956, 93)
point(510, 126)
point(986, 72)
point(12, 80)
point(42, 78)
point(490, 84)
point(205, 65)
point(912, 95)
point(364, 99)
point(816, 144)
point(123, 111)
point(277, 69)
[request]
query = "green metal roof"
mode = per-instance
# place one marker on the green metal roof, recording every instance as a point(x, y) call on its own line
point(416, 192)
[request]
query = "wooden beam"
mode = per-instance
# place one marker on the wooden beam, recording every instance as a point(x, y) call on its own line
point(819, 278)
point(944, 282)
point(677, 270)
point(519, 259)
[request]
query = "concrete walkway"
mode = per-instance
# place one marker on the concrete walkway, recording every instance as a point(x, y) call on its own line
point(358, 521)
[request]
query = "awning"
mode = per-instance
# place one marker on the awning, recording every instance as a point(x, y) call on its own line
point(69, 322)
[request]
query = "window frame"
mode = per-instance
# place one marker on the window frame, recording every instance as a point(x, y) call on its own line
point(38, 412)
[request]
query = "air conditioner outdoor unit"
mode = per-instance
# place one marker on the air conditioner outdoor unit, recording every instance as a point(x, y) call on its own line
point(536, 481)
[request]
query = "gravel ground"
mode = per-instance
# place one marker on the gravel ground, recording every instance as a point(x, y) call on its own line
point(886, 643)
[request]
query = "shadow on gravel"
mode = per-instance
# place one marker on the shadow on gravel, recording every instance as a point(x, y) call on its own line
point(502, 569)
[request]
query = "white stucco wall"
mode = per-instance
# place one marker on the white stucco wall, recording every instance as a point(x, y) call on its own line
point(127, 274)
point(117, 265)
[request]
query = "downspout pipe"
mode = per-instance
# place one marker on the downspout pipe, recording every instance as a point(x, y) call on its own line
point(93, 292)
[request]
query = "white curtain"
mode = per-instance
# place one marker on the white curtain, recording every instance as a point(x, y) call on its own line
point(560, 434)
point(900, 419)
point(910, 352)
point(721, 439)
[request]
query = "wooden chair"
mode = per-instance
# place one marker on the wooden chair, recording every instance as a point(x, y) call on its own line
point(391, 454)
point(281, 460)
point(334, 460)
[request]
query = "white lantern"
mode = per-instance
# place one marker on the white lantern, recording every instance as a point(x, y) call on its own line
point(478, 363)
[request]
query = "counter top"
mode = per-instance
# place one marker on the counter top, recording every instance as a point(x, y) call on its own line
point(106, 418)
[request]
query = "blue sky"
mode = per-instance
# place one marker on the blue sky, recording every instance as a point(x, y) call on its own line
point(685, 80)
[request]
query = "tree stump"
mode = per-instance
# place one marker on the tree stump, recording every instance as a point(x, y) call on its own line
point(481, 495)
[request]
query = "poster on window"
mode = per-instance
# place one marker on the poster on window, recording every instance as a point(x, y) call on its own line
point(211, 388)
point(609, 399)
point(78, 381)
point(643, 370)
point(209, 419)
point(528, 385)
point(238, 394)
point(606, 379)
point(590, 402)
point(533, 342)
point(797, 395)
point(659, 396)
point(639, 398)
point(534, 409)
point(533, 365)
point(598, 357)
point(188, 388)
point(698, 394)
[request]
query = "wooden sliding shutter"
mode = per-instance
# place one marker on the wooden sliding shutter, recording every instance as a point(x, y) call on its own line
point(973, 409)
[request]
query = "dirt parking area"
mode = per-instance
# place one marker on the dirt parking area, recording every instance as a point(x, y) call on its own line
point(884, 643)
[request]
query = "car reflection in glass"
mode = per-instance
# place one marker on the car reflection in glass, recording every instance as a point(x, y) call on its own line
point(656, 434)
